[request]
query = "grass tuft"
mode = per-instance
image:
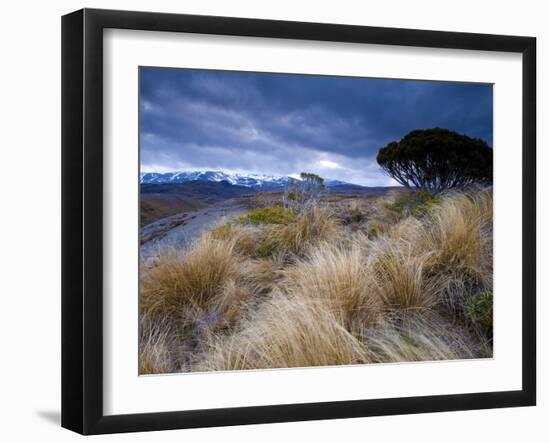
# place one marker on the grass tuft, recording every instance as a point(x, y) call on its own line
point(285, 332)
point(400, 275)
point(336, 276)
point(312, 227)
point(188, 279)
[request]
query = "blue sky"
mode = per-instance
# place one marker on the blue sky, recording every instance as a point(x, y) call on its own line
point(284, 124)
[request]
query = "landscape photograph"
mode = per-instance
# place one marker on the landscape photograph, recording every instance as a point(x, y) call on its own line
point(293, 221)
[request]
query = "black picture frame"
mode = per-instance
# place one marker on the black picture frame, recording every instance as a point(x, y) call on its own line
point(82, 218)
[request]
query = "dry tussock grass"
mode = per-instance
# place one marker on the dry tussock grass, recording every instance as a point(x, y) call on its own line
point(156, 346)
point(400, 274)
point(190, 278)
point(243, 238)
point(421, 337)
point(310, 228)
point(460, 234)
point(336, 276)
point(322, 295)
point(285, 332)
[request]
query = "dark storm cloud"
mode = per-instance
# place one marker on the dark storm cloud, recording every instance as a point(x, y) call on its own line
point(285, 124)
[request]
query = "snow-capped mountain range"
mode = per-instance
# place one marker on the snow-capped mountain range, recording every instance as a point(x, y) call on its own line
point(255, 181)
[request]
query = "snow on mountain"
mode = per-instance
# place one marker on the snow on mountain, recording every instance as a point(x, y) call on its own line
point(256, 181)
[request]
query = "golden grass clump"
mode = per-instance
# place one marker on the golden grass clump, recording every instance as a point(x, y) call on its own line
point(421, 337)
point(310, 228)
point(285, 332)
point(156, 347)
point(261, 275)
point(400, 275)
point(230, 301)
point(460, 233)
point(440, 257)
point(243, 238)
point(337, 277)
point(189, 278)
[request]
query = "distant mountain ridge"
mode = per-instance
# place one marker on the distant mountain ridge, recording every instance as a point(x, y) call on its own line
point(255, 181)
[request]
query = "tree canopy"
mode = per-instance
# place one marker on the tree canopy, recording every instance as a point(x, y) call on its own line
point(435, 160)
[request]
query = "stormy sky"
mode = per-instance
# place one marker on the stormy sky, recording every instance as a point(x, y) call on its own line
point(284, 124)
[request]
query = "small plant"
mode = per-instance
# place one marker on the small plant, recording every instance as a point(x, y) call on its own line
point(415, 203)
point(305, 193)
point(269, 216)
point(375, 229)
point(222, 232)
point(479, 308)
point(266, 248)
point(427, 206)
point(354, 216)
point(291, 195)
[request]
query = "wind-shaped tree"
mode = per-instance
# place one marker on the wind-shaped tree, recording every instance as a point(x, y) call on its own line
point(434, 160)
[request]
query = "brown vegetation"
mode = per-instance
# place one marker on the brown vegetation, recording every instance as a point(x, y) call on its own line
point(275, 290)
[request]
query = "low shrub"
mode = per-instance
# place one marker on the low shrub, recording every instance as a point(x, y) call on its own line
point(427, 206)
point(374, 228)
point(354, 215)
point(479, 308)
point(273, 215)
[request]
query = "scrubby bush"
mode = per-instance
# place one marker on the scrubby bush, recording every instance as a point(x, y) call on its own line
point(479, 308)
point(305, 193)
point(355, 215)
point(271, 215)
point(409, 203)
point(375, 228)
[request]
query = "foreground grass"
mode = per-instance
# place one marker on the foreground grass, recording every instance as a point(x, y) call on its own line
point(276, 289)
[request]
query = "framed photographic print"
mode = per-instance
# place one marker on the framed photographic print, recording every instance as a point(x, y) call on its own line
point(269, 221)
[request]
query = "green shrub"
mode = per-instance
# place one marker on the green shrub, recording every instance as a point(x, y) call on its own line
point(479, 308)
point(222, 232)
point(266, 248)
point(269, 216)
point(427, 206)
point(355, 216)
point(375, 229)
point(417, 203)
